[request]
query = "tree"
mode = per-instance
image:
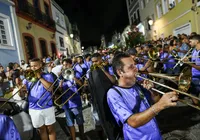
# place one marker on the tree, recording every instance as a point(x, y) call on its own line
point(134, 37)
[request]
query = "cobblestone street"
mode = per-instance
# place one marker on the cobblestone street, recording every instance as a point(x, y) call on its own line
point(179, 123)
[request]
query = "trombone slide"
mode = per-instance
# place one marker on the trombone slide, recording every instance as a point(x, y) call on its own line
point(183, 101)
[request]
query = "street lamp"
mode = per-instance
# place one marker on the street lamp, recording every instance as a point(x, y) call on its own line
point(82, 47)
point(150, 21)
point(71, 35)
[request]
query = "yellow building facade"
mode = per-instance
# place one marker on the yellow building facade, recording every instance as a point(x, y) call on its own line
point(174, 17)
point(37, 28)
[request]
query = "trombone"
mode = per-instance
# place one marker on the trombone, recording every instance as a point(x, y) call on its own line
point(93, 67)
point(62, 104)
point(65, 73)
point(181, 60)
point(184, 80)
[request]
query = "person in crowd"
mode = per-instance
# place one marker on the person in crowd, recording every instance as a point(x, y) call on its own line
point(42, 118)
point(8, 130)
point(88, 61)
point(23, 65)
point(58, 67)
point(195, 82)
point(16, 74)
point(2, 78)
point(132, 110)
point(73, 108)
point(183, 49)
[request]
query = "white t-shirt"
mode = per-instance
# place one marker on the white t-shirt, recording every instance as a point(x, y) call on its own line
point(57, 69)
point(24, 66)
point(16, 97)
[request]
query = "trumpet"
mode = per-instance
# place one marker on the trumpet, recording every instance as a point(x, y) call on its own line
point(183, 81)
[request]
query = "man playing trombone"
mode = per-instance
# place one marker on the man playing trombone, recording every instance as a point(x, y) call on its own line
point(42, 118)
point(195, 83)
point(73, 107)
point(132, 108)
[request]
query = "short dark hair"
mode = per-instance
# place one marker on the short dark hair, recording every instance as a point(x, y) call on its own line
point(132, 51)
point(87, 55)
point(35, 60)
point(96, 55)
point(195, 37)
point(117, 64)
point(67, 60)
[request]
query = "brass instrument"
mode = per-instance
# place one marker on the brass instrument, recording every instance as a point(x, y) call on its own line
point(30, 75)
point(62, 104)
point(93, 67)
point(67, 74)
point(180, 62)
point(153, 54)
point(183, 81)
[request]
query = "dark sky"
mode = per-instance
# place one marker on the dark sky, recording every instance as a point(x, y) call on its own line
point(96, 17)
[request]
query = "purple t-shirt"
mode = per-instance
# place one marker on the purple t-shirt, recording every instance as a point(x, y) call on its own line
point(170, 62)
point(131, 102)
point(37, 91)
point(75, 101)
point(196, 59)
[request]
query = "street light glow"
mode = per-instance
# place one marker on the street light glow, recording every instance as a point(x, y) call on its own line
point(71, 35)
point(150, 22)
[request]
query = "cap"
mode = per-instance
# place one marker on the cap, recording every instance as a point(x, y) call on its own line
point(48, 60)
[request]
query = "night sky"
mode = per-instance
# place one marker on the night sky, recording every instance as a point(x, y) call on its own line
point(96, 17)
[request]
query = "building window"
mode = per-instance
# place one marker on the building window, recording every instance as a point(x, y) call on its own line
point(165, 6)
point(142, 4)
point(132, 20)
point(172, 4)
point(5, 32)
point(138, 15)
point(46, 9)
point(159, 10)
point(134, 16)
point(61, 42)
point(57, 18)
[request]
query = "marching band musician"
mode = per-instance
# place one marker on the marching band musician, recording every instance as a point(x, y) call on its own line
point(73, 108)
point(195, 83)
point(132, 108)
point(42, 118)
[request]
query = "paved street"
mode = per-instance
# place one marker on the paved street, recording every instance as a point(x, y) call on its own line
point(174, 123)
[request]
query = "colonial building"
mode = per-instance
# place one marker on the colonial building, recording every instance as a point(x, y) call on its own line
point(133, 8)
point(37, 28)
point(175, 17)
point(10, 45)
point(147, 14)
point(62, 36)
point(76, 39)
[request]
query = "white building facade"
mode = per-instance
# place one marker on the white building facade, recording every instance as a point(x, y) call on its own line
point(147, 14)
point(61, 35)
point(133, 8)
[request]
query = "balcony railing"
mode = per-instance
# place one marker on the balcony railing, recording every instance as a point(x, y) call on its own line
point(136, 21)
point(35, 13)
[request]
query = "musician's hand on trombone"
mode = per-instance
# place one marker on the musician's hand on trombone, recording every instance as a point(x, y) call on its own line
point(61, 83)
point(147, 84)
point(169, 99)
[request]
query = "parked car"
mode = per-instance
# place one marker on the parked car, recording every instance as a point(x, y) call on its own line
point(21, 119)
